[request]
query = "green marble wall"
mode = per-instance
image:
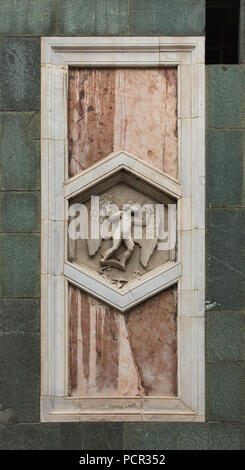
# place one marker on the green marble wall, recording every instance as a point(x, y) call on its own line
point(21, 25)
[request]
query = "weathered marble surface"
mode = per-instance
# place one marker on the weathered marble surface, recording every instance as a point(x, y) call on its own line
point(189, 53)
point(112, 354)
point(123, 108)
point(121, 194)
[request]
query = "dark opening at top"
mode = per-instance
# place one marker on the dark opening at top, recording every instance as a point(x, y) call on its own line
point(222, 31)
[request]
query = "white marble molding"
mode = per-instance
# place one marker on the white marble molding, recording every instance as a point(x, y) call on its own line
point(187, 54)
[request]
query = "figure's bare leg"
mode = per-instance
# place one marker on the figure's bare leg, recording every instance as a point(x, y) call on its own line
point(126, 255)
point(110, 251)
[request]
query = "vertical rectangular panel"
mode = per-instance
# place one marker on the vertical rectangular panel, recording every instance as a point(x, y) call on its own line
point(112, 354)
point(123, 330)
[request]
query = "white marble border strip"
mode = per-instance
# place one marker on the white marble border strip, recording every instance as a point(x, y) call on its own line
point(59, 409)
point(187, 53)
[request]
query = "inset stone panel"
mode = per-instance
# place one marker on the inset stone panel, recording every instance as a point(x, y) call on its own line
point(132, 109)
point(123, 110)
point(115, 354)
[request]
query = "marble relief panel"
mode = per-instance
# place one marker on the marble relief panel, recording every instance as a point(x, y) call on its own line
point(143, 255)
point(110, 353)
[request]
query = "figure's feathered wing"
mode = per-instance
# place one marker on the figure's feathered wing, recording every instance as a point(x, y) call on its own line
point(147, 245)
point(93, 243)
point(147, 249)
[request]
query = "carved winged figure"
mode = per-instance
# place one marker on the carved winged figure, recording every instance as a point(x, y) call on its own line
point(123, 233)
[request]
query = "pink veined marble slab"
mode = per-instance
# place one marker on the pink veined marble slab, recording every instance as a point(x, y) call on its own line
point(112, 354)
point(123, 108)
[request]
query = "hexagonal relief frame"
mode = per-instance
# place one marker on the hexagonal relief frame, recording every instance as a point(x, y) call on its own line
point(121, 166)
point(187, 55)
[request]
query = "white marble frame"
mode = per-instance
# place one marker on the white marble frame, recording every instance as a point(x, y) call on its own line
point(187, 53)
